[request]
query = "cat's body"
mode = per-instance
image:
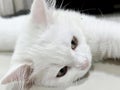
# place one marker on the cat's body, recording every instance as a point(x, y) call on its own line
point(54, 46)
point(9, 32)
point(102, 36)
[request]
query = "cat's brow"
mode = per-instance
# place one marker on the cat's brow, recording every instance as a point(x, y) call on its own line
point(56, 64)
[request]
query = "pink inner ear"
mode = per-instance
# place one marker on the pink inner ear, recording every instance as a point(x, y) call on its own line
point(38, 12)
point(19, 74)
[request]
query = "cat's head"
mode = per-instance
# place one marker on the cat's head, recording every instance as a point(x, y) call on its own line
point(52, 50)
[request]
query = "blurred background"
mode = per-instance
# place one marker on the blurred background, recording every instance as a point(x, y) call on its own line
point(10, 8)
point(14, 7)
point(92, 6)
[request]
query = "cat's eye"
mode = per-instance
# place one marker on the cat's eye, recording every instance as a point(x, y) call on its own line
point(62, 72)
point(74, 43)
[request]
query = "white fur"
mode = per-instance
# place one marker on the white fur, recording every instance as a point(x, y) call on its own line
point(9, 32)
point(102, 36)
point(46, 42)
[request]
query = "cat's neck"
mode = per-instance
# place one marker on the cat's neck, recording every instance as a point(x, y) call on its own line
point(102, 36)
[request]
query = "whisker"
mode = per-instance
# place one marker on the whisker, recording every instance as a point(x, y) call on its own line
point(61, 4)
point(91, 9)
point(100, 12)
point(66, 4)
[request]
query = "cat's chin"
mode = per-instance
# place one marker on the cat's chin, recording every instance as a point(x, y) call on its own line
point(52, 87)
point(81, 80)
point(47, 88)
point(78, 81)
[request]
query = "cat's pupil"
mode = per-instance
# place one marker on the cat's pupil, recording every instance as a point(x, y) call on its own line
point(74, 43)
point(62, 72)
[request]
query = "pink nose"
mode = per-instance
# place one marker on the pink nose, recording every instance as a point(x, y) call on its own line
point(83, 65)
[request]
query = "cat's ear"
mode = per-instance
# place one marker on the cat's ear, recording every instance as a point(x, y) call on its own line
point(40, 11)
point(20, 73)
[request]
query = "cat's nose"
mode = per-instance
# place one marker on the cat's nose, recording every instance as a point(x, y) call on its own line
point(83, 65)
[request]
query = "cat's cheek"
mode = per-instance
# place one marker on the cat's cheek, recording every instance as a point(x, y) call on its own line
point(42, 82)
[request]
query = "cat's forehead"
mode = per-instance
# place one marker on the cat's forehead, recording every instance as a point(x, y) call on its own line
point(63, 27)
point(57, 33)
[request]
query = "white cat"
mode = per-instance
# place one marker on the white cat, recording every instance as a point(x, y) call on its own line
point(54, 46)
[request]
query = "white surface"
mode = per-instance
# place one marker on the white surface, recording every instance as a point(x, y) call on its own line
point(104, 76)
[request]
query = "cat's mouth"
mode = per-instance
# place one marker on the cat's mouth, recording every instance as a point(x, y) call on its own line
point(79, 79)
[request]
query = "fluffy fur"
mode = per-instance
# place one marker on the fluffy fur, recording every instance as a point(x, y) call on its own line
point(9, 31)
point(44, 46)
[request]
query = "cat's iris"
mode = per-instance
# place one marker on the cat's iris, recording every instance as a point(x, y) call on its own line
point(62, 72)
point(74, 43)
